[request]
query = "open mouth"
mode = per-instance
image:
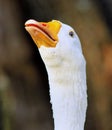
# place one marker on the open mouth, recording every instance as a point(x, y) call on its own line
point(43, 33)
point(41, 30)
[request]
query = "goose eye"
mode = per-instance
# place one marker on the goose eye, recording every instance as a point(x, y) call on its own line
point(71, 33)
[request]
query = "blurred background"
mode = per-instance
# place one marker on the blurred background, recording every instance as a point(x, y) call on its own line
point(24, 90)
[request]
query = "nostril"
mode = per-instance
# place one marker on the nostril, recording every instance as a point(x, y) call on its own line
point(44, 24)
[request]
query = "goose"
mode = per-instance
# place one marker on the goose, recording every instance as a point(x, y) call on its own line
point(61, 52)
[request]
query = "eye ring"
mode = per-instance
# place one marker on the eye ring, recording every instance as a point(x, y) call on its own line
point(71, 33)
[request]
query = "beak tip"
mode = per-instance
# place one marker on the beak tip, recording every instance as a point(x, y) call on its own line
point(31, 21)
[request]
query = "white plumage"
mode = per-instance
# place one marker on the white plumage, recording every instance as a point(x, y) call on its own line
point(66, 69)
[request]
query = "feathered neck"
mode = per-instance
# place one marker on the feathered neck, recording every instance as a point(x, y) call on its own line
point(68, 96)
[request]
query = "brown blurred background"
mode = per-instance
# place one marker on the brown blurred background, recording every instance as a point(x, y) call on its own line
point(24, 90)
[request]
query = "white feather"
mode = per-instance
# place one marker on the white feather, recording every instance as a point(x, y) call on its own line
point(66, 69)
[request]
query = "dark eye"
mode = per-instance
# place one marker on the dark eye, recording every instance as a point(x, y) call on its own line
point(71, 33)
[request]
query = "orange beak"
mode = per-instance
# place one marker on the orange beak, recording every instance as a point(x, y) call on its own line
point(43, 33)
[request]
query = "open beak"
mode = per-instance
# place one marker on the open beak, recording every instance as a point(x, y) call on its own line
point(43, 33)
